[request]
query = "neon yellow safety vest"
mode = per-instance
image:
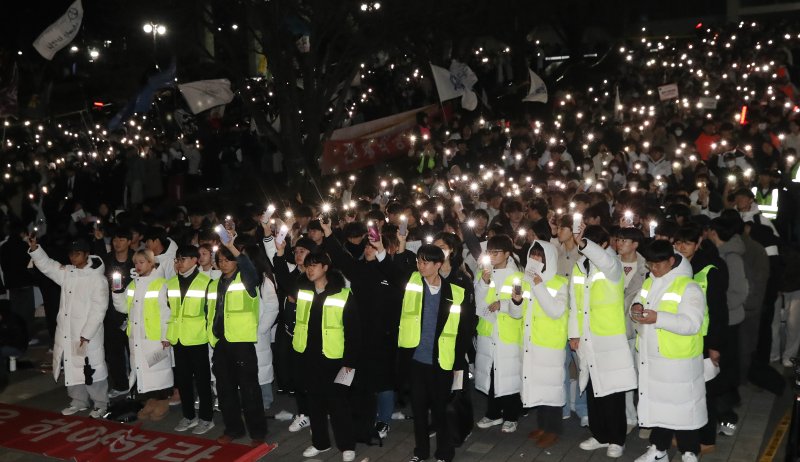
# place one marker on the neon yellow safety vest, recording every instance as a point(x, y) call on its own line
point(151, 312)
point(187, 321)
point(606, 303)
point(767, 204)
point(509, 329)
point(431, 163)
point(796, 173)
point(546, 331)
point(332, 322)
point(701, 278)
point(241, 312)
point(672, 345)
point(411, 321)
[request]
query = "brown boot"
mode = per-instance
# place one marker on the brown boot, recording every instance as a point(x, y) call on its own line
point(160, 410)
point(144, 414)
point(546, 440)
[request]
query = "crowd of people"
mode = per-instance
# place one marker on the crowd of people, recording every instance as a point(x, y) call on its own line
point(616, 260)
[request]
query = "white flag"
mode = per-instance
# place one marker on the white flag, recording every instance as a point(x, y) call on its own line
point(538, 90)
point(617, 105)
point(447, 86)
point(60, 33)
point(202, 95)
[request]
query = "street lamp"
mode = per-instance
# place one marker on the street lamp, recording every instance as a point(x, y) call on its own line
point(155, 29)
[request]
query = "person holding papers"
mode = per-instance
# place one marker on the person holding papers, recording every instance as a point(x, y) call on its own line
point(544, 336)
point(327, 336)
point(145, 303)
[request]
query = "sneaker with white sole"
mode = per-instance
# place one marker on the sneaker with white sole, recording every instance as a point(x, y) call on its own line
point(585, 421)
point(615, 451)
point(382, 429)
point(509, 427)
point(300, 422)
point(688, 457)
point(117, 393)
point(591, 444)
point(186, 424)
point(311, 451)
point(652, 455)
point(726, 428)
point(486, 422)
point(72, 410)
point(203, 426)
point(348, 456)
point(98, 413)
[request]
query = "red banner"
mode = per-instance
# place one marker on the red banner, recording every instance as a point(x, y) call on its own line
point(92, 440)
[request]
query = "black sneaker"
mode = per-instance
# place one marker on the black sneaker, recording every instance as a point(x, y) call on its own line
point(382, 429)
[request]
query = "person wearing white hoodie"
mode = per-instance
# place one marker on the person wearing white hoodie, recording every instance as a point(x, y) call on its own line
point(145, 302)
point(498, 358)
point(597, 332)
point(78, 343)
point(669, 316)
point(164, 249)
point(544, 336)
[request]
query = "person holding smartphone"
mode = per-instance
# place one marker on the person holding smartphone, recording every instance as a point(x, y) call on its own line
point(669, 314)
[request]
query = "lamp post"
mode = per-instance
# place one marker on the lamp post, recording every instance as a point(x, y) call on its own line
point(156, 30)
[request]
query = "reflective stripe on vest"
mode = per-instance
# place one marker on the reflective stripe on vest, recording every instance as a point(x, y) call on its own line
point(332, 322)
point(411, 321)
point(606, 303)
point(509, 330)
point(546, 331)
point(701, 278)
point(767, 205)
point(672, 345)
point(241, 312)
point(151, 311)
point(187, 322)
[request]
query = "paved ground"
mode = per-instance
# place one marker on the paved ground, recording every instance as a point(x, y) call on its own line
point(759, 414)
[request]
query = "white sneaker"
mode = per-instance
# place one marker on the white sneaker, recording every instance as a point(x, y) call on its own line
point(486, 422)
point(311, 451)
point(615, 451)
point(398, 415)
point(117, 393)
point(788, 363)
point(591, 444)
point(348, 456)
point(509, 427)
point(585, 421)
point(652, 455)
point(689, 457)
point(72, 410)
point(300, 422)
point(98, 413)
point(186, 424)
point(203, 426)
point(727, 428)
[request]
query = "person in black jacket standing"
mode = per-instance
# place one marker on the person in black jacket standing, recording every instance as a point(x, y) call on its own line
point(118, 263)
point(711, 273)
point(430, 325)
point(327, 335)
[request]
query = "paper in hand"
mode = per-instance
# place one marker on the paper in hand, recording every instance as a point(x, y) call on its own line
point(709, 370)
point(413, 246)
point(533, 267)
point(80, 350)
point(156, 357)
point(344, 377)
point(458, 380)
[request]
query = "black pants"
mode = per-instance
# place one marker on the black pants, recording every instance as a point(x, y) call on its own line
point(507, 407)
point(549, 418)
point(331, 400)
point(193, 370)
point(607, 420)
point(688, 440)
point(115, 343)
point(430, 390)
point(236, 370)
point(708, 432)
point(729, 377)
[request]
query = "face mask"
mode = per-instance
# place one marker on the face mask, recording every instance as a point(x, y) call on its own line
point(614, 168)
point(678, 132)
point(564, 171)
point(446, 254)
point(730, 163)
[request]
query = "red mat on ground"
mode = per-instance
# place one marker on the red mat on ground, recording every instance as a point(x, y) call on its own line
point(92, 440)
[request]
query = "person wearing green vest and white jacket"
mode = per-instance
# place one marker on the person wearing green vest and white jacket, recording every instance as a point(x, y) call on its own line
point(669, 344)
point(145, 303)
point(597, 334)
point(544, 336)
point(327, 338)
point(498, 359)
point(188, 334)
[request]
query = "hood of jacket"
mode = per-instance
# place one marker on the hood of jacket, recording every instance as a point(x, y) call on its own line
point(683, 268)
point(95, 266)
point(550, 260)
point(734, 246)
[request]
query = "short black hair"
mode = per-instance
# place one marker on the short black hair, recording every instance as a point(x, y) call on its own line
point(667, 228)
point(500, 242)
point(431, 253)
point(724, 228)
point(187, 251)
point(658, 251)
point(596, 234)
point(541, 228)
point(634, 234)
point(314, 258)
point(157, 233)
point(689, 233)
point(122, 232)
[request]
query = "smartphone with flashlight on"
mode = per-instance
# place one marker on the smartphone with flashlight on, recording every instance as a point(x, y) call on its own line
point(373, 233)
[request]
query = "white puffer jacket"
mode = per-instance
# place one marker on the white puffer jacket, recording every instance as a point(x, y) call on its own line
point(267, 313)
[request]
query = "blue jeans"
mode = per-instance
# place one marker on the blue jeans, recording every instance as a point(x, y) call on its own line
point(385, 406)
point(266, 395)
point(580, 399)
